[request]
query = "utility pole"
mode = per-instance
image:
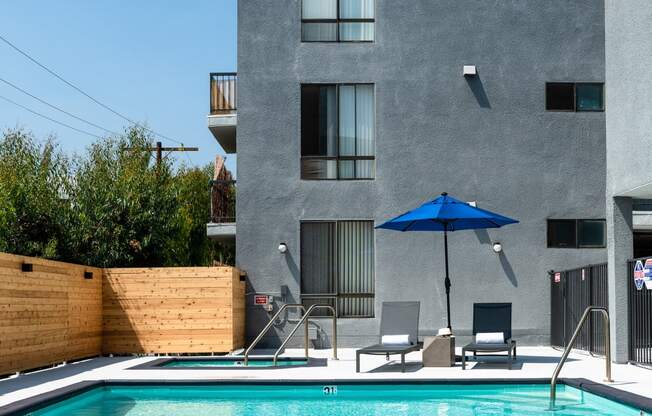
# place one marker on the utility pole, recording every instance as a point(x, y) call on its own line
point(159, 149)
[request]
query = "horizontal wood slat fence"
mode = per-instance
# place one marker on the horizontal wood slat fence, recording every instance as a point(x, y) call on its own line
point(48, 315)
point(173, 310)
point(52, 312)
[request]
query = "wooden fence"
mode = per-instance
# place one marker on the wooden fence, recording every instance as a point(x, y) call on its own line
point(173, 310)
point(52, 312)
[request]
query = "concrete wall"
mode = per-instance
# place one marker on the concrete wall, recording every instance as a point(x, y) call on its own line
point(488, 139)
point(628, 126)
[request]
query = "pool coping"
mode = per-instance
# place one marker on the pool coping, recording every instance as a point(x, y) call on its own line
point(42, 400)
point(159, 363)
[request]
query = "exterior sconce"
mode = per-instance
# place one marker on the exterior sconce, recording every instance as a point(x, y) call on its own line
point(469, 71)
point(282, 248)
point(497, 247)
point(27, 267)
point(88, 275)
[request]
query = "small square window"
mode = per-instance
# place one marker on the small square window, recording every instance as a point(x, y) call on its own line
point(591, 233)
point(589, 97)
point(562, 233)
point(560, 96)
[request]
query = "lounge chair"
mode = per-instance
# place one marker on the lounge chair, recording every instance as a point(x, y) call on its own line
point(400, 321)
point(492, 318)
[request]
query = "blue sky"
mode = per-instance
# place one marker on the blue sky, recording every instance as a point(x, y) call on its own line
point(149, 60)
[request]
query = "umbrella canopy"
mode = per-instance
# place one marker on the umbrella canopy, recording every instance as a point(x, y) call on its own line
point(446, 214)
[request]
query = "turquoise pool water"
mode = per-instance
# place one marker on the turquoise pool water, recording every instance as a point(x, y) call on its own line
point(339, 400)
point(231, 363)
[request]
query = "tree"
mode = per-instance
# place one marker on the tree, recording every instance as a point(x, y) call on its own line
point(33, 200)
point(125, 205)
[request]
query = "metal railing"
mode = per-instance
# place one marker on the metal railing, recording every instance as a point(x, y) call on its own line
point(223, 97)
point(569, 347)
point(304, 321)
point(640, 315)
point(222, 201)
point(271, 323)
point(571, 292)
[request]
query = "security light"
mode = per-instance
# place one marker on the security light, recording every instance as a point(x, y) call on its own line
point(497, 247)
point(282, 248)
point(469, 71)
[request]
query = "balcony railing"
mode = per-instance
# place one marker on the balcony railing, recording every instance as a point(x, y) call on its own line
point(222, 201)
point(223, 92)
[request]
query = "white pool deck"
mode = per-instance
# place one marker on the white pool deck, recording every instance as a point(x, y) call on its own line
point(532, 362)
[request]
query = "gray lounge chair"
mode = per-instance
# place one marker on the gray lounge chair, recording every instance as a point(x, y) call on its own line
point(397, 318)
point(492, 317)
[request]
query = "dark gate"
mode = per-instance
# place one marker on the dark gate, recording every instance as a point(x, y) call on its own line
point(572, 291)
point(640, 319)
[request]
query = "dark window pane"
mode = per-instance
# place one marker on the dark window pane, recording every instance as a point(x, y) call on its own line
point(318, 169)
point(319, 32)
point(357, 9)
point(357, 32)
point(318, 120)
point(561, 233)
point(560, 96)
point(589, 97)
point(318, 258)
point(591, 233)
point(319, 9)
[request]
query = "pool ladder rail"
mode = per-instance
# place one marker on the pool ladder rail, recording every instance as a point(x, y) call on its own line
point(569, 347)
point(303, 320)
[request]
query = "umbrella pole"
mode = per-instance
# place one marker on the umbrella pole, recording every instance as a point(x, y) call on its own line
point(447, 281)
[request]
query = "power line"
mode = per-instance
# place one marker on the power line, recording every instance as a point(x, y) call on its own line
point(57, 108)
point(71, 85)
point(48, 118)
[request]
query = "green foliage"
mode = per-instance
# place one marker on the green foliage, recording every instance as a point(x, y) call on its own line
point(113, 207)
point(33, 206)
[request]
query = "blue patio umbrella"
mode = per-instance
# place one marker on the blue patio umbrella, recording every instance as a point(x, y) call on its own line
point(446, 214)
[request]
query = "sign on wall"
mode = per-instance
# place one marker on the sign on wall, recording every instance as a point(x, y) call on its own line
point(639, 274)
point(648, 274)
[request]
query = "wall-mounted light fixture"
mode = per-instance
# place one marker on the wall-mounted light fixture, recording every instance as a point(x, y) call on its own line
point(88, 275)
point(497, 247)
point(282, 248)
point(469, 71)
point(27, 267)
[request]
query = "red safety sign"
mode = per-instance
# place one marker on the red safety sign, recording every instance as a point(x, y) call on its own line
point(261, 300)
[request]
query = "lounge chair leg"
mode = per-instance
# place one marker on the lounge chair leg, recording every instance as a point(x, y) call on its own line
point(514, 353)
point(463, 359)
point(357, 362)
point(402, 363)
point(386, 357)
point(509, 359)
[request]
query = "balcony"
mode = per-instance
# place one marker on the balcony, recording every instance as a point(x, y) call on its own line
point(221, 225)
point(223, 118)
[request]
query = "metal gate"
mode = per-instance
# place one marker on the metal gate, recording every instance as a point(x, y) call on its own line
point(572, 291)
point(640, 318)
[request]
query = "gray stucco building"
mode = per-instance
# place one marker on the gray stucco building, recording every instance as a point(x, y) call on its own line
point(351, 112)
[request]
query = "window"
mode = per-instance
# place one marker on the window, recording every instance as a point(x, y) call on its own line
point(568, 96)
point(577, 233)
point(337, 131)
point(337, 267)
point(337, 21)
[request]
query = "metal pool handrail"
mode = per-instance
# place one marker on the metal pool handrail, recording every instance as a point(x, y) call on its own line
point(304, 320)
point(567, 350)
point(270, 324)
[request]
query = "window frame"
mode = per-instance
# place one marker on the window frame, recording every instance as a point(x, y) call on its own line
point(574, 85)
point(336, 295)
point(338, 158)
point(337, 21)
point(576, 222)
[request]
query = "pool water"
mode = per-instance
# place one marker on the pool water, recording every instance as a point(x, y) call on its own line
point(232, 363)
point(336, 400)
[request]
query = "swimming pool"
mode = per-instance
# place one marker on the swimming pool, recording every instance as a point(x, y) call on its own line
point(333, 400)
